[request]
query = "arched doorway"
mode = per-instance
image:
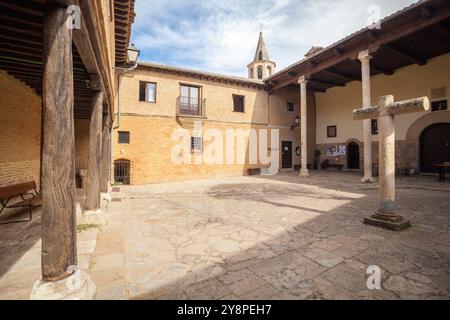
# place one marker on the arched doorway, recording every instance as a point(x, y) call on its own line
point(434, 147)
point(122, 171)
point(353, 155)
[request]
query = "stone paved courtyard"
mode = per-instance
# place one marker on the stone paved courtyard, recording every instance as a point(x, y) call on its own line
point(276, 237)
point(272, 238)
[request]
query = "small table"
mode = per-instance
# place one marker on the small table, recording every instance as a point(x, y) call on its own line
point(443, 170)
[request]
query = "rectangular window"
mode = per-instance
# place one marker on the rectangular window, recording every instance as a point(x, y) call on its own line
point(331, 132)
point(124, 137)
point(439, 105)
point(196, 144)
point(238, 103)
point(147, 91)
point(374, 126)
point(290, 106)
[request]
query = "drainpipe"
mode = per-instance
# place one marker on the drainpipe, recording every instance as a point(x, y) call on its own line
point(117, 126)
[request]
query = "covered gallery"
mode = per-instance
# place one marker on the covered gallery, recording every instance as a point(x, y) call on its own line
point(57, 95)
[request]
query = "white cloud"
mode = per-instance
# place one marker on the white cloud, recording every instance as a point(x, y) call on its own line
point(221, 35)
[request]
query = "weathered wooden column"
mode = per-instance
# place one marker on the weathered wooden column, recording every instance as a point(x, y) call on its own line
point(365, 57)
point(61, 277)
point(303, 126)
point(386, 216)
point(93, 200)
point(106, 150)
point(58, 155)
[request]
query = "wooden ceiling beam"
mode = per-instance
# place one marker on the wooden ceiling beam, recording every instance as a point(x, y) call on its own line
point(414, 25)
point(406, 55)
point(327, 83)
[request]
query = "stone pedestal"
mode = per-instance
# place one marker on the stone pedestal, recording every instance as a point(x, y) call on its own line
point(390, 221)
point(94, 217)
point(78, 286)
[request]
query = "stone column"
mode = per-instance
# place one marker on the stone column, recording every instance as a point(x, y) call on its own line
point(303, 127)
point(386, 151)
point(95, 154)
point(364, 57)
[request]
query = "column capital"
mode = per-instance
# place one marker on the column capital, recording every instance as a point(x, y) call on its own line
point(364, 56)
point(302, 79)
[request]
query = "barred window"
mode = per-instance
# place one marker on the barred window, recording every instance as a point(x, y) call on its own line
point(439, 105)
point(196, 144)
point(290, 106)
point(124, 137)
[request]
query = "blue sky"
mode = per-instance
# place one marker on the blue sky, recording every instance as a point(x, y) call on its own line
point(221, 35)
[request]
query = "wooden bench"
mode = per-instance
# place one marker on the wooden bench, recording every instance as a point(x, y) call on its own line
point(326, 164)
point(254, 171)
point(24, 195)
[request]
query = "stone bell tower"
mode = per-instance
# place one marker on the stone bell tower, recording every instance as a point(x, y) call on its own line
point(261, 67)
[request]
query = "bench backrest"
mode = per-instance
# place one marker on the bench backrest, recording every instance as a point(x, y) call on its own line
point(16, 190)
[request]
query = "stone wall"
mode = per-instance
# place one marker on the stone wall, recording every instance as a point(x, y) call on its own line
point(20, 132)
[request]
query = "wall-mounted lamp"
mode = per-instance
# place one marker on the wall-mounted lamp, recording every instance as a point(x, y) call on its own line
point(133, 54)
point(295, 123)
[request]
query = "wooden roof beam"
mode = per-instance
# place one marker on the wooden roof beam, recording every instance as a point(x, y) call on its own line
point(406, 55)
point(383, 38)
point(442, 31)
point(326, 83)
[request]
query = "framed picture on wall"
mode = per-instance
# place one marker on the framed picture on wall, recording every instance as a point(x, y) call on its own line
point(331, 132)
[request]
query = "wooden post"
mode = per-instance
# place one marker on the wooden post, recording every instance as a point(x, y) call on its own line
point(106, 150)
point(58, 154)
point(95, 149)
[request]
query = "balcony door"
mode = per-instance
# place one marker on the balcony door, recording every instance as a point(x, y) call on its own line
point(189, 100)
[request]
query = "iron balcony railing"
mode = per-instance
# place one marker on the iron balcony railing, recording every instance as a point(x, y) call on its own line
point(190, 107)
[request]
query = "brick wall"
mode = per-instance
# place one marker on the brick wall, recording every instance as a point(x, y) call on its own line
point(20, 132)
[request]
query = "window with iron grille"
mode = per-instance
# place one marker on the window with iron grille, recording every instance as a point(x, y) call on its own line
point(238, 103)
point(374, 126)
point(196, 144)
point(124, 137)
point(439, 105)
point(290, 106)
point(147, 91)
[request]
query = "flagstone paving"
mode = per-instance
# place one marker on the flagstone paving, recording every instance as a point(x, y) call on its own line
point(276, 237)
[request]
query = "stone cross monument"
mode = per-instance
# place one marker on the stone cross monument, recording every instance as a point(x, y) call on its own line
point(386, 216)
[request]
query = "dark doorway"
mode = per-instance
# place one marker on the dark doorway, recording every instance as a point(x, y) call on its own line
point(434, 147)
point(122, 171)
point(353, 156)
point(286, 154)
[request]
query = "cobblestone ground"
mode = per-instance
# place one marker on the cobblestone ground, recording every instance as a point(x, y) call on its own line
point(272, 238)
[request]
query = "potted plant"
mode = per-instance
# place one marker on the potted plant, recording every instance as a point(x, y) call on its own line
point(317, 154)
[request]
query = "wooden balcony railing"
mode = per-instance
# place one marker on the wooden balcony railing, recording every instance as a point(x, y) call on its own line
point(190, 107)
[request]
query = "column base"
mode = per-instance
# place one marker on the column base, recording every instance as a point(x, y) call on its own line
point(105, 196)
point(390, 221)
point(78, 286)
point(367, 180)
point(304, 173)
point(93, 217)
